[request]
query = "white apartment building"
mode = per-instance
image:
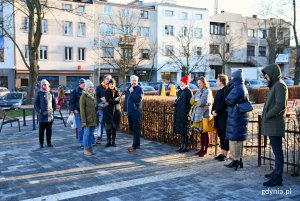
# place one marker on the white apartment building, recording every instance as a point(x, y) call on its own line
point(7, 51)
point(175, 26)
point(245, 42)
point(65, 46)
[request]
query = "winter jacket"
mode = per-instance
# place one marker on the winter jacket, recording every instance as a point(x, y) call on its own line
point(112, 112)
point(44, 105)
point(100, 92)
point(74, 99)
point(88, 111)
point(182, 107)
point(273, 116)
point(202, 109)
point(133, 101)
point(236, 126)
point(220, 107)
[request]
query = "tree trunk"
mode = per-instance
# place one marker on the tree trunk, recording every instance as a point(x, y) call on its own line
point(33, 75)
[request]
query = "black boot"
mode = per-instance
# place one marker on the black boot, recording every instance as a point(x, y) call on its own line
point(186, 142)
point(108, 138)
point(275, 181)
point(181, 144)
point(241, 163)
point(113, 137)
point(234, 164)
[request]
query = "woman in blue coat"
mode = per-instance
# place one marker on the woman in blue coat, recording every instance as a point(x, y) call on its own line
point(236, 126)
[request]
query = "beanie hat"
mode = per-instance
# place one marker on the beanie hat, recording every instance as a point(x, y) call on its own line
point(88, 84)
point(81, 81)
point(112, 81)
point(44, 81)
point(185, 79)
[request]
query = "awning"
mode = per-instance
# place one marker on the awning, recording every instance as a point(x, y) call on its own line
point(282, 58)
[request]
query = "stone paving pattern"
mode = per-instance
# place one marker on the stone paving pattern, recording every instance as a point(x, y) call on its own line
point(155, 172)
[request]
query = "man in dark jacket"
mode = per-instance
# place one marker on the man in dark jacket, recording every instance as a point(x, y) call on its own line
point(273, 120)
point(133, 109)
point(75, 108)
point(44, 105)
point(100, 96)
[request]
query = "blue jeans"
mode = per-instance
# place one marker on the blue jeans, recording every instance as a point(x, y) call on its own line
point(79, 127)
point(100, 127)
point(135, 127)
point(88, 136)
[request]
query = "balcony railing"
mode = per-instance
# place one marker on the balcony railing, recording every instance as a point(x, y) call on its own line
point(127, 41)
point(131, 61)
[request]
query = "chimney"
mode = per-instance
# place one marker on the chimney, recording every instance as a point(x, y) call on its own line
point(254, 16)
point(216, 7)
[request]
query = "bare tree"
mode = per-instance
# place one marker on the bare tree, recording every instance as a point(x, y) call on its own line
point(120, 45)
point(294, 25)
point(186, 51)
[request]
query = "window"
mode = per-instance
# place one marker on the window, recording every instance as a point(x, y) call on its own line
point(26, 24)
point(44, 26)
point(227, 48)
point(279, 34)
point(145, 54)
point(80, 9)
point(1, 55)
point(144, 14)
point(198, 51)
point(144, 31)
point(183, 52)
point(127, 30)
point(24, 82)
point(108, 52)
point(127, 53)
point(169, 76)
point(169, 13)
point(262, 51)
point(169, 30)
point(108, 29)
point(68, 29)
point(107, 10)
point(81, 29)
point(217, 28)
point(68, 53)
point(184, 31)
point(250, 50)
point(67, 7)
point(169, 50)
point(198, 32)
point(26, 52)
point(43, 52)
point(183, 16)
point(262, 33)
point(126, 12)
point(81, 54)
point(198, 16)
point(214, 49)
point(251, 33)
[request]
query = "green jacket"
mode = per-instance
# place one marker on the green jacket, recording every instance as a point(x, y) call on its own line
point(88, 110)
point(273, 116)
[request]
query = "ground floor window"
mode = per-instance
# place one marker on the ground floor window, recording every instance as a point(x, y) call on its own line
point(4, 81)
point(53, 80)
point(169, 76)
point(72, 81)
point(24, 82)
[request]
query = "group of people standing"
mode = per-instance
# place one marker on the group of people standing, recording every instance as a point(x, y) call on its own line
point(230, 119)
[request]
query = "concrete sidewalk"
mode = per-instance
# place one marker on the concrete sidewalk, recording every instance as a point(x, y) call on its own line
point(155, 172)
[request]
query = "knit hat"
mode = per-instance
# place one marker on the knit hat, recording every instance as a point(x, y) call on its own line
point(88, 84)
point(185, 79)
point(81, 81)
point(44, 81)
point(112, 81)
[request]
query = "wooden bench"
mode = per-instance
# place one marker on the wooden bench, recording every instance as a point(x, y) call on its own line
point(6, 119)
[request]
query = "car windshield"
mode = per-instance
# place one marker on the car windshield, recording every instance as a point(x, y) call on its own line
point(255, 82)
point(12, 96)
point(148, 88)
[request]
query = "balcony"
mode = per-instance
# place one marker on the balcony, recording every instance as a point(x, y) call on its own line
point(128, 61)
point(127, 40)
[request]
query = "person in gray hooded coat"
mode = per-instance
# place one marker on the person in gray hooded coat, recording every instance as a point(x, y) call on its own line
point(273, 120)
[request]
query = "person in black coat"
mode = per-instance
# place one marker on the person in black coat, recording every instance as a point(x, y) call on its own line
point(236, 126)
point(112, 113)
point(182, 107)
point(220, 114)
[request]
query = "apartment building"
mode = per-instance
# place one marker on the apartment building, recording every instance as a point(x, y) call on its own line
point(238, 41)
point(65, 46)
point(7, 54)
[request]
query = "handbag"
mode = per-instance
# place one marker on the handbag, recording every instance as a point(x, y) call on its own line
point(208, 124)
point(245, 107)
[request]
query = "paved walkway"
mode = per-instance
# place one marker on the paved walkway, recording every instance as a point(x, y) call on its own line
point(156, 172)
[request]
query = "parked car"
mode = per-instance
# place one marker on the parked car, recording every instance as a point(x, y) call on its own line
point(213, 84)
point(120, 87)
point(288, 81)
point(148, 88)
point(253, 83)
point(13, 100)
point(3, 91)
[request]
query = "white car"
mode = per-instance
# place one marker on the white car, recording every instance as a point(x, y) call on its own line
point(3, 91)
